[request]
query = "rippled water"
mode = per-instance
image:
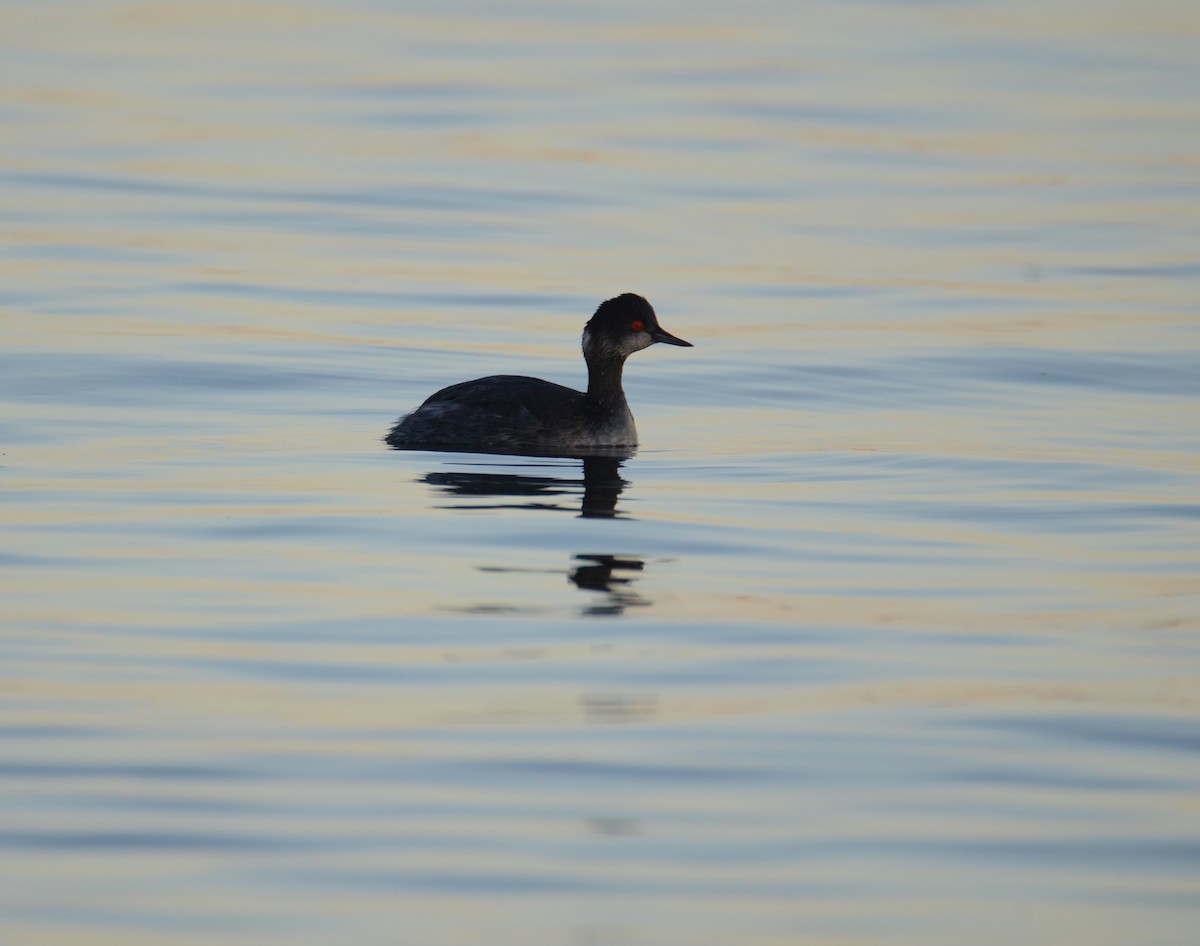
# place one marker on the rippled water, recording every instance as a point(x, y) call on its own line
point(888, 634)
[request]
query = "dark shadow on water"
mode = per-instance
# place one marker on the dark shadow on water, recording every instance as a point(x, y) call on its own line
point(594, 495)
point(607, 575)
point(600, 573)
point(597, 490)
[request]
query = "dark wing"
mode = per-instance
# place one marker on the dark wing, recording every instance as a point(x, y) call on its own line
point(500, 412)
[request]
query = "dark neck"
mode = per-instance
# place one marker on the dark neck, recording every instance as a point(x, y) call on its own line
point(604, 380)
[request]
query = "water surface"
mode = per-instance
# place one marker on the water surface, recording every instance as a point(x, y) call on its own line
point(887, 634)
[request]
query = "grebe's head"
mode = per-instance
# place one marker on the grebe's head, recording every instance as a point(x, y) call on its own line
point(622, 326)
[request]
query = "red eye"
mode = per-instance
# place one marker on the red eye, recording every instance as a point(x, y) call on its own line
point(637, 325)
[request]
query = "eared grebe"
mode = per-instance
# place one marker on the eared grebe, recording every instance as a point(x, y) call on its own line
point(512, 414)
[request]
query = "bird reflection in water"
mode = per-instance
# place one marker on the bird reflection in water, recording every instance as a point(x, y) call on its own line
point(597, 574)
point(600, 486)
point(598, 491)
